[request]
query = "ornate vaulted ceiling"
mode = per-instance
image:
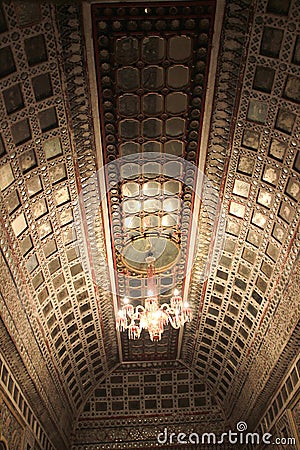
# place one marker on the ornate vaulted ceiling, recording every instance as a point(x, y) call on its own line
point(130, 129)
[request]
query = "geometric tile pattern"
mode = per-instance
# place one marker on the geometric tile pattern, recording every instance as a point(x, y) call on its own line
point(15, 394)
point(63, 346)
point(263, 214)
point(38, 187)
point(160, 394)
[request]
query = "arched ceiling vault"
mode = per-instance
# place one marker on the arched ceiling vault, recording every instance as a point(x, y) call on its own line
point(228, 105)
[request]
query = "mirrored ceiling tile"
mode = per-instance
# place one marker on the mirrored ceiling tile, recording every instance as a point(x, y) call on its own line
point(34, 185)
point(7, 63)
point(151, 169)
point(241, 188)
point(233, 227)
point(180, 48)
point(130, 189)
point(171, 204)
point(152, 128)
point(153, 78)
point(66, 216)
point(251, 139)
point(128, 79)
point(237, 209)
point(129, 148)
point(2, 147)
point(13, 98)
point(129, 105)
point(38, 280)
point(151, 188)
point(6, 176)
point(12, 202)
point(296, 55)
point(151, 221)
point(48, 119)
point(263, 79)
point(173, 169)
point(257, 111)
point(177, 76)
point(286, 212)
point(129, 128)
point(267, 269)
point(277, 149)
point(152, 205)
point(279, 232)
point(32, 263)
point(175, 127)
point(45, 229)
point(271, 42)
point(265, 198)
point(153, 49)
point(174, 147)
point(58, 173)
point(169, 220)
point(52, 148)
point(259, 219)
point(36, 51)
point(152, 146)
point(62, 195)
point(292, 88)
point(50, 247)
point(26, 245)
point(127, 50)
point(27, 161)
point(19, 224)
point(130, 171)
point(152, 104)
point(176, 103)
point(172, 187)
point(132, 222)
point(246, 165)
point(271, 175)
point(272, 251)
point(39, 208)
point(21, 131)
point(249, 255)
point(28, 13)
point(42, 86)
point(285, 121)
point(297, 162)
point(254, 238)
point(278, 6)
point(293, 188)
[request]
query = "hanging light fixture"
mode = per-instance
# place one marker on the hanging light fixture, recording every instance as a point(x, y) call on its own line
point(152, 316)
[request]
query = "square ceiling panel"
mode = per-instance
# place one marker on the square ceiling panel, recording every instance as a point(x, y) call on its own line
point(7, 63)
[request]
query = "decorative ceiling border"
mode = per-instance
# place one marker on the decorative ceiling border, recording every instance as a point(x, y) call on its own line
point(70, 22)
point(112, 18)
point(231, 60)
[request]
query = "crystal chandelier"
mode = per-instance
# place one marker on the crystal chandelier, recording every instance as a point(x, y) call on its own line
point(152, 316)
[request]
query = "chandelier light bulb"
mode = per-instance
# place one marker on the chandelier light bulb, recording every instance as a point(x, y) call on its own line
point(152, 316)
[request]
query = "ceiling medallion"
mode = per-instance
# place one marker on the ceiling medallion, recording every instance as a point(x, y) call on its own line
point(152, 316)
